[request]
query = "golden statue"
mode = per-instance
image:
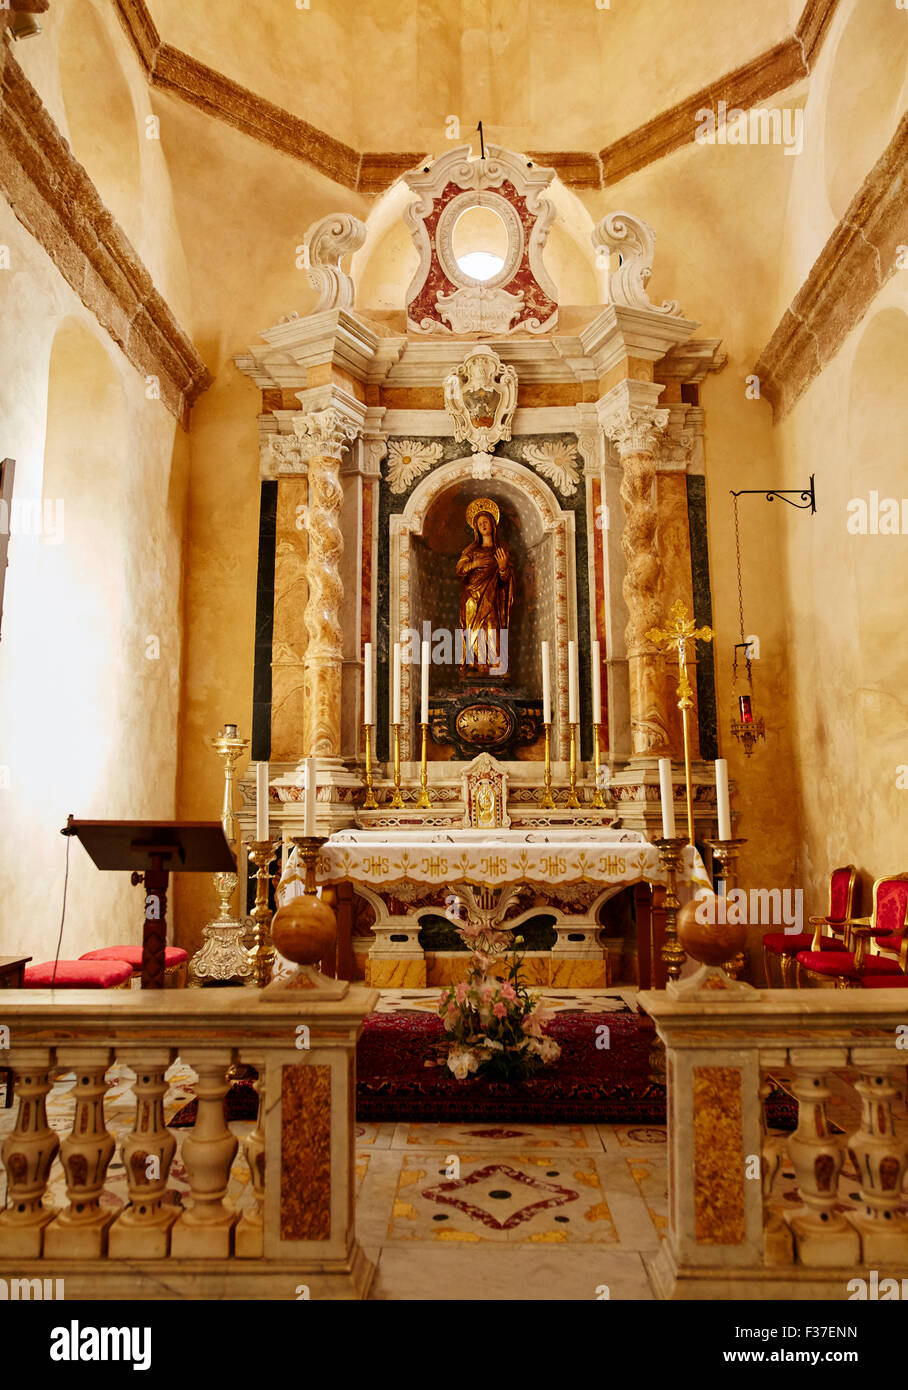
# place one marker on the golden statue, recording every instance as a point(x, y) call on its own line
point(487, 593)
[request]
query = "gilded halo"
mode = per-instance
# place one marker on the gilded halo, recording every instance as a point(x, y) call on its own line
point(482, 504)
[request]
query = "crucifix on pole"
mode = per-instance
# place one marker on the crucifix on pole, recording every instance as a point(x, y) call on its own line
point(679, 631)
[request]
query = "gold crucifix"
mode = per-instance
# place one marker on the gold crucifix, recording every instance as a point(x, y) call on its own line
point(678, 633)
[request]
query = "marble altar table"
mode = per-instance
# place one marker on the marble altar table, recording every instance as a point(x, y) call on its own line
point(488, 874)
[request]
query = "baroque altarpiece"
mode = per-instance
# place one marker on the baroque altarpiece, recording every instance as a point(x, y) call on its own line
point(485, 469)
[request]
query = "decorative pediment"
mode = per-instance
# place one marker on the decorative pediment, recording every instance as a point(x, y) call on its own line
point(443, 296)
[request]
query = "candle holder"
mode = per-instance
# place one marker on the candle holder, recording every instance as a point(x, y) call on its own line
point(673, 954)
point(573, 800)
point(726, 851)
point(222, 955)
point(423, 800)
point(397, 800)
point(598, 799)
point(309, 846)
point(370, 804)
point(262, 954)
point(546, 801)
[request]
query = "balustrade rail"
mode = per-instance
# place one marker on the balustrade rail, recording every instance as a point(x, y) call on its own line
point(294, 1239)
point(740, 1226)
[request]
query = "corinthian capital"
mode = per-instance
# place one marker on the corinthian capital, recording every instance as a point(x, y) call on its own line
point(324, 433)
point(634, 428)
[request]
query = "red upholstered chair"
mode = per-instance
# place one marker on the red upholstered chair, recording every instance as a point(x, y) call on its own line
point(787, 947)
point(78, 974)
point(884, 982)
point(890, 920)
point(175, 959)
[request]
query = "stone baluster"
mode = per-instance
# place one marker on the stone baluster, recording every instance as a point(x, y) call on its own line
point(250, 1239)
point(822, 1235)
point(142, 1230)
point(205, 1230)
point(880, 1159)
point(28, 1154)
point(778, 1247)
point(80, 1231)
point(634, 423)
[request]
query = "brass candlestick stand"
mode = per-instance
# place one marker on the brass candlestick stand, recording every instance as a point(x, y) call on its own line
point(573, 801)
point(546, 801)
point(726, 851)
point(423, 800)
point(222, 955)
point(397, 800)
point(370, 804)
point(262, 954)
point(309, 846)
point(680, 631)
point(598, 800)
point(673, 954)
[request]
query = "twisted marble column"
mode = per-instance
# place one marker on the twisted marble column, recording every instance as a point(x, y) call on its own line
point(634, 428)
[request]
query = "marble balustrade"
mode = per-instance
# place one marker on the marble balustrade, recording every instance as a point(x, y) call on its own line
point(757, 1213)
point(296, 1237)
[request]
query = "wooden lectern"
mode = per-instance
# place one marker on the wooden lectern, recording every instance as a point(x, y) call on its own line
point(153, 850)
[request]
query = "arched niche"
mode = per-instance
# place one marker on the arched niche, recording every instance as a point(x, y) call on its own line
point(100, 115)
point(423, 585)
point(862, 101)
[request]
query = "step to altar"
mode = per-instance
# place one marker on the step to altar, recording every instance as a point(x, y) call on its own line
point(450, 967)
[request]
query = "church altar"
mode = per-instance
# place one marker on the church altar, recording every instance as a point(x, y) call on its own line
point(484, 874)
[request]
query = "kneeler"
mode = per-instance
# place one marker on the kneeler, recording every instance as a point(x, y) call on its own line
point(175, 959)
point(78, 974)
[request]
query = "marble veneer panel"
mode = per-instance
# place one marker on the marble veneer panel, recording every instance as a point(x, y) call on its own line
point(703, 615)
point(264, 625)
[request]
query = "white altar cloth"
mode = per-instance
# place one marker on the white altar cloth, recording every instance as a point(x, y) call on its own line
point(490, 858)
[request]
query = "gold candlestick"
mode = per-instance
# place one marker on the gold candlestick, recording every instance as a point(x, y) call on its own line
point(370, 804)
point(573, 801)
point(423, 800)
point(222, 955)
point(261, 852)
point(726, 851)
point(309, 846)
point(397, 800)
point(546, 801)
point(598, 800)
point(672, 953)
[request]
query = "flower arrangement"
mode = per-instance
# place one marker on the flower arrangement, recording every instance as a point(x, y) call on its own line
point(496, 1025)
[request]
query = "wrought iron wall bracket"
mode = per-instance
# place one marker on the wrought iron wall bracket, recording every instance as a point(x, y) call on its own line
point(808, 496)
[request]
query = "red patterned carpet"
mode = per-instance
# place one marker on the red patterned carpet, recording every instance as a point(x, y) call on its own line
point(401, 1074)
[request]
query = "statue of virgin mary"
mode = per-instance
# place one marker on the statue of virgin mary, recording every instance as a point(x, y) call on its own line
point(487, 592)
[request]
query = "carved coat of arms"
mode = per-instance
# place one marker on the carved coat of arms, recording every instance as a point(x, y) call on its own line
point(481, 397)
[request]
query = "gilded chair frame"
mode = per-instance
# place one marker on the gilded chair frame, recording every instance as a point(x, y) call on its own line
point(788, 965)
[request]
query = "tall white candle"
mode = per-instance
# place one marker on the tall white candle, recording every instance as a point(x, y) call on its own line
point(723, 806)
point(368, 712)
point(572, 683)
point(311, 789)
point(261, 801)
point(395, 694)
point(424, 688)
point(666, 791)
point(546, 686)
point(597, 692)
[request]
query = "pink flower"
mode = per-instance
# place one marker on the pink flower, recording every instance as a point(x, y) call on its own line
point(461, 992)
point(508, 992)
point(500, 1010)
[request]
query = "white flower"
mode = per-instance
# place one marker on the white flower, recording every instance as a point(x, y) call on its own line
point(461, 1061)
point(548, 1049)
point(557, 460)
point(407, 459)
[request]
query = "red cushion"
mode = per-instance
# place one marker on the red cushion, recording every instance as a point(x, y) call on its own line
point(77, 974)
point(892, 904)
point(173, 955)
point(885, 982)
point(783, 945)
point(889, 940)
point(842, 963)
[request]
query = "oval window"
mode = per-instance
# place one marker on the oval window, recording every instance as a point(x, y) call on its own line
point(480, 242)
